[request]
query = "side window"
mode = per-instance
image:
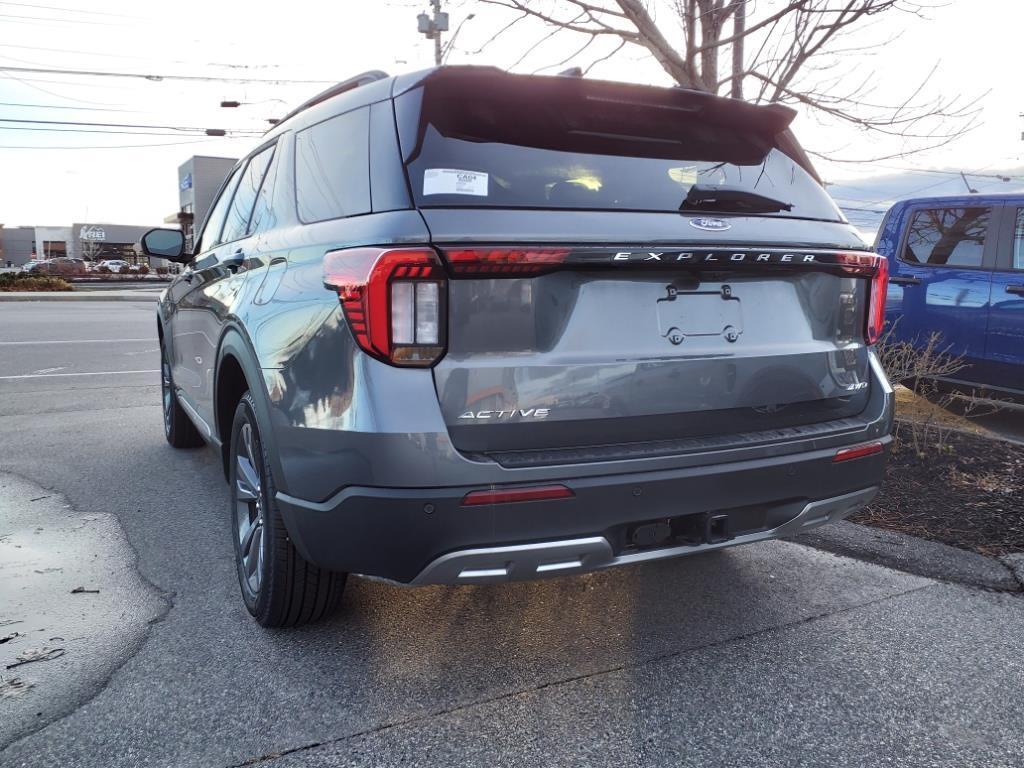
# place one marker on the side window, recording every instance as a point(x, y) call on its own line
point(237, 221)
point(215, 218)
point(1018, 240)
point(263, 217)
point(332, 167)
point(947, 237)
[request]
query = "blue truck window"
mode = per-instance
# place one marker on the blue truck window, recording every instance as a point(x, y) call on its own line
point(950, 237)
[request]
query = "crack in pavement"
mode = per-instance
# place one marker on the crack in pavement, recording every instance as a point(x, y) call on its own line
point(267, 757)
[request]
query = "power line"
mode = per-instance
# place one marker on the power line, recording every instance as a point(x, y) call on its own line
point(93, 130)
point(158, 78)
point(112, 146)
point(94, 53)
point(68, 10)
point(19, 19)
point(62, 106)
point(26, 82)
point(107, 55)
point(248, 131)
point(999, 176)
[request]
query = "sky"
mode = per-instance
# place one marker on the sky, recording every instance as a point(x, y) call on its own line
point(57, 176)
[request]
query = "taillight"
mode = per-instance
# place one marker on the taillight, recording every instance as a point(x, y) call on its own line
point(876, 307)
point(877, 268)
point(505, 261)
point(393, 299)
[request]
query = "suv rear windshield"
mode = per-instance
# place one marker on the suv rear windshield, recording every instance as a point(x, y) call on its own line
point(562, 143)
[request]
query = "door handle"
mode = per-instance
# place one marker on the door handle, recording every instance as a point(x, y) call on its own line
point(234, 261)
point(898, 280)
point(1017, 288)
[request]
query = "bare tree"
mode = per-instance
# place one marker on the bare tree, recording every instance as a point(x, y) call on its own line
point(90, 249)
point(795, 52)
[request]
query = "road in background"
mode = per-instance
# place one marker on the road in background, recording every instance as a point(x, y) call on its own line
point(773, 654)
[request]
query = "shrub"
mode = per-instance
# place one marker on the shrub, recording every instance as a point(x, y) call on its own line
point(103, 269)
point(143, 269)
point(162, 270)
point(918, 368)
point(14, 281)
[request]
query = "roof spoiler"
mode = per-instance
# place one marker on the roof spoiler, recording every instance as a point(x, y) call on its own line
point(768, 119)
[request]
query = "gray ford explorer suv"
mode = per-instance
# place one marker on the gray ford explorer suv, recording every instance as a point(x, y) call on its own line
point(462, 326)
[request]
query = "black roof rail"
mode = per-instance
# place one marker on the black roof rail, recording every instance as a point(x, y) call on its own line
point(345, 85)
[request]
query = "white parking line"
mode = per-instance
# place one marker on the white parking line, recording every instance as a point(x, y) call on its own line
point(70, 341)
point(90, 373)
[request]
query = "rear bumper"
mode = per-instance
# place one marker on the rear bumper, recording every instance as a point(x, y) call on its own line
point(566, 556)
point(426, 536)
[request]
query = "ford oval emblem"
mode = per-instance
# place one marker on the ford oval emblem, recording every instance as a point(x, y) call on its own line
point(710, 225)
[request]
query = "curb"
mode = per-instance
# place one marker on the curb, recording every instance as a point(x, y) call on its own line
point(917, 556)
point(79, 296)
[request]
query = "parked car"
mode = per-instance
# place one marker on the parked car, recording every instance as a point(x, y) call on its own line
point(115, 265)
point(462, 326)
point(956, 267)
point(62, 266)
point(31, 266)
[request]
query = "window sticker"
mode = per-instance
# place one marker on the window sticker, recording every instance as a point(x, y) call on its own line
point(451, 181)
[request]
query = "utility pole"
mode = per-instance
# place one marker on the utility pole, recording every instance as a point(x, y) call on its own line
point(739, 24)
point(431, 28)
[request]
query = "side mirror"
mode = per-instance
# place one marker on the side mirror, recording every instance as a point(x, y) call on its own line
point(165, 244)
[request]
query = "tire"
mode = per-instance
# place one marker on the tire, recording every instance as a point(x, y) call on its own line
point(178, 427)
point(279, 587)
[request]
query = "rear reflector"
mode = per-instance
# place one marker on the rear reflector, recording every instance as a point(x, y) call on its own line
point(857, 452)
point(510, 495)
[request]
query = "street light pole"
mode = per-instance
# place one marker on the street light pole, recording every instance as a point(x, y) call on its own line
point(447, 49)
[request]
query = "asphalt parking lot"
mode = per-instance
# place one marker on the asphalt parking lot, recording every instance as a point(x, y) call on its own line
point(775, 654)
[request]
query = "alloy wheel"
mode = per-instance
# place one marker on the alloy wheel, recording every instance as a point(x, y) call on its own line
point(166, 391)
point(249, 508)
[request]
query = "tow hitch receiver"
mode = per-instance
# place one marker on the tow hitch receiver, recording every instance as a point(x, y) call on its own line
point(693, 529)
point(717, 529)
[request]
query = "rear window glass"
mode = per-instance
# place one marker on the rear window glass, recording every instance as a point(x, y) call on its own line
point(527, 148)
point(332, 167)
point(947, 237)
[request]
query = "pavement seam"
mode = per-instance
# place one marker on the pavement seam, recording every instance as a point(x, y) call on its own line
point(659, 658)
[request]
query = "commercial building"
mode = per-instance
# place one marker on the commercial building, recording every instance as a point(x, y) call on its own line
point(17, 245)
point(199, 179)
point(82, 240)
point(52, 242)
point(96, 242)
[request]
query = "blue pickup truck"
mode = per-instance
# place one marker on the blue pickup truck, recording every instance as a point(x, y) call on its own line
point(956, 267)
